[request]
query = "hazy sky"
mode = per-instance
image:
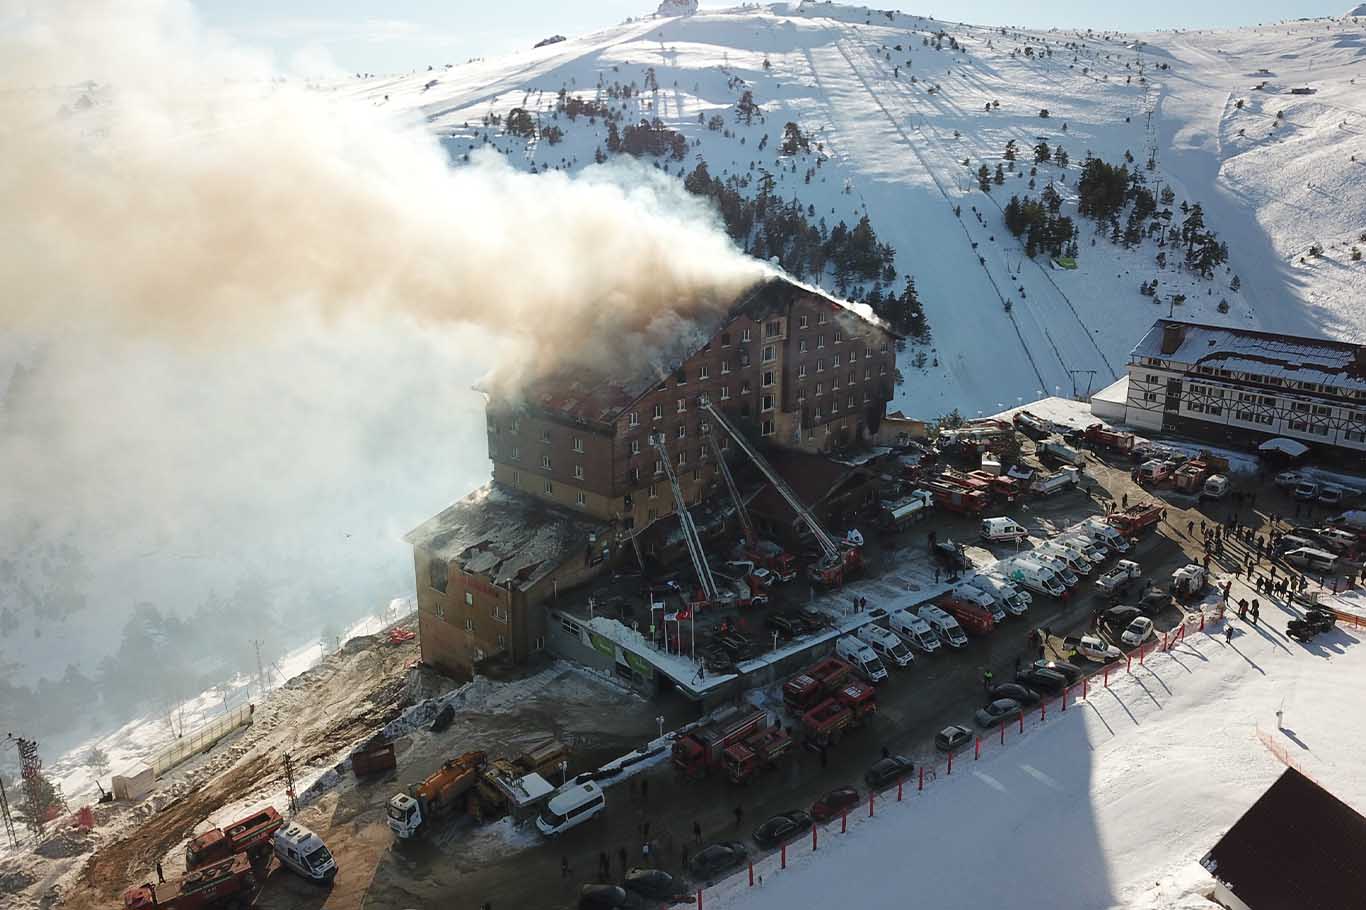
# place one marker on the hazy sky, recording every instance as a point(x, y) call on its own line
point(401, 35)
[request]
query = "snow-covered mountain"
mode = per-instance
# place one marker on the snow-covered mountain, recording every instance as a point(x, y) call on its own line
point(1262, 127)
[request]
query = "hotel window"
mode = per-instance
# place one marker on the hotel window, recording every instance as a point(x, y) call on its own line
point(882, 369)
point(834, 404)
point(773, 329)
point(820, 342)
point(725, 367)
point(633, 420)
point(682, 431)
point(469, 625)
point(801, 346)
point(768, 378)
point(746, 387)
point(545, 462)
point(801, 394)
point(578, 472)
point(548, 488)
point(635, 446)
point(839, 336)
point(820, 319)
point(725, 339)
point(659, 412)
point(580, 499)
point(704, 372)
point(867, 373)
point(867, 396)
point(682, 457)
point(817, 413)
point(851, 402)
point(820, 365)
point(516, 454)
point(802, 322)
point(853, 354)
point(499, 613)
point(884, 347)
point(578, 444)
point(502, 640)
point(654, 487)
point(516, 478)
point(767, 428)
point(767, 403)
point(770, 353)
point(852, 377)
point(635, 475)
point(744, 335)
point(659, 467)
point(835, 361)
point(801, 371)
point(682, 405)
point(681, 377)
point(820, 388)
point(725, 393)
point(436, 575)
point(516, 424)
point(545, 437)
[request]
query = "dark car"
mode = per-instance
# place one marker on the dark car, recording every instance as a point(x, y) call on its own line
point(1072, 672)
point(782, 828)
point(1155, 599)
point(1116, 619)
point(814, 620)
point(887, 771)
point(999, 711)
point(952, 738)
point(606, 897)
point(786, 625)
point(1040, 680)
point(833, 803)
point(1023, 694)
point(657, 885)
point(712, 860)
point(951, 555)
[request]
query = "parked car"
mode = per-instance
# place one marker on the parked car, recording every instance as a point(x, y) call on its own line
point(1023, 694)
point(1331, 494)
point(1002, 709)
point(657, 885)
point(781, 828)
point(951, 556)
point(1071, 672)
point(952, 738)
point(887, 771)
point(835, 802)
point(1288, 480)
point(1094, 648)
point(1041, 680)
point(786, 625)
point(712, 860)
point(1137, 632)
point(1307, 489)
point(1116, 619)
point(606, 897)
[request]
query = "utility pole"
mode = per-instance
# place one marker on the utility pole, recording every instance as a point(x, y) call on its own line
point(1090, 377)
point(6, 817)
point(261, 681)
point(289, 785)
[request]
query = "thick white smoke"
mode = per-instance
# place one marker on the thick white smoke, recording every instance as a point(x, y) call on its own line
point(247, 315)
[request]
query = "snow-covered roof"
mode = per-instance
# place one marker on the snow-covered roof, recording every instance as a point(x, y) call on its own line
point(1289, 358)
point(604, 395)
point(509, 537)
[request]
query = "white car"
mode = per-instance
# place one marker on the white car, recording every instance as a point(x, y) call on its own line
point(1095, 649)
point(1139, 631)
point(1288, 480)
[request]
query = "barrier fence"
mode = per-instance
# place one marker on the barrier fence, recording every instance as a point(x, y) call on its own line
point(203, 737)
point(982, 745)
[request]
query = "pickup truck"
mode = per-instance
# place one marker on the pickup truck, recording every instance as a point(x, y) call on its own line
point(1120, 577)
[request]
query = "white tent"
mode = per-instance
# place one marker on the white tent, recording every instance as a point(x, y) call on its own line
point(1291, 447)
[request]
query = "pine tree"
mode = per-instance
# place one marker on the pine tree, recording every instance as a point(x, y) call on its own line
point(613, 138)
point(1000, 176)
point(984, 179)
point(1042, 153)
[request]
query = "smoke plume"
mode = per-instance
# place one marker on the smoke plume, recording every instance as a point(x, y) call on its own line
point(242, 319)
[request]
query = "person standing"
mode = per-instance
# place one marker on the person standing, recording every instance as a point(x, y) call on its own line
point(1228, 634)
point(697, 831)
point(739, 817)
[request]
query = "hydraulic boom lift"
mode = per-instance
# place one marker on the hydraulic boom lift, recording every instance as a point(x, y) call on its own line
point(699, 557)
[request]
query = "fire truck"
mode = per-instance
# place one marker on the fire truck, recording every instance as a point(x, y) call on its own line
point(824, 725)
point(229, 881)
point(1003, 487)
point(953, 498)
point(251, 835)
point(1098, 435)
point(696, 753)
point(1136, 518)
point(813, 684)
point(975, 619)
point(759, 752)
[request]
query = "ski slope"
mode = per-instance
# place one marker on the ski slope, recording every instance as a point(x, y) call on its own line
point(890, 129)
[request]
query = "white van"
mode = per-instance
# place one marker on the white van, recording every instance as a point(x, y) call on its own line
point(1035, 576)
point(913, 630)
point(1105, 533)
point(887, 644)
point(1216, 487)
point(944, 625)
point(995, 530)
point(973, 594)
point(571, 806)
point(1015, 601)
point(1055, 562)
point(1081, 562)
point(1095, 551)
point(862, 658)
point(304, 852)
point(1313, 559)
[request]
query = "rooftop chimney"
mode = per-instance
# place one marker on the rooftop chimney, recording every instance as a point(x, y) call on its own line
point(1173, 333)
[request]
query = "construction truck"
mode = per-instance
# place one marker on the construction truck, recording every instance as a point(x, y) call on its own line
point(696, 753)
point(838, 561)
point(966, 481)
point(251, 835)
point(1032, 425)
point(1115, 440)
point(1191, 476)
point(760, 752)
point(445, 792)
point(999, 485)
point(1137, 517)
point(1060, 451)
point(902, 513)
point(509, 786)
point(814, 684)
point(228, 882)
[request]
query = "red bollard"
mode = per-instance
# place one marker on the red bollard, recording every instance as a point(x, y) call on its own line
point(814, 840)
point(870, 803)
point(782, 857)
point(1043, 711)
point(1140, 654)
point(1202, 620)
point(1164, 642)
point(1064, 698)
point(1128, 663)
point(1084, 687)
point(1003, 733)
point(699, 890)
point(844, 823)
point(922, 778)
point(1107, 676)
point(898, 791)
point(977, 749)
point(1021, 723)
point(950, 762)
point(751, 884)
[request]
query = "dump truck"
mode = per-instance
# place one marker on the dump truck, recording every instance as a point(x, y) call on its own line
point(250, 835)
point(1115, 440)
point(1032, 425)
point(697, 752)
point(508, 784)
point(953, 498)
point(1061, 451)
point(814, 684)
point(445, 792)
point(760, 752)
point(1048, 484)
point(1136, 517)
point(230, 881)
point(375, 757)
point(900, 514)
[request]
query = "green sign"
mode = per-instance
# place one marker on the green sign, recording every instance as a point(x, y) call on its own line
point(603, 645)
point(639, 664)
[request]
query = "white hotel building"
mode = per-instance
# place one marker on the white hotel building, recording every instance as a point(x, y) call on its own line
point(1234, 387)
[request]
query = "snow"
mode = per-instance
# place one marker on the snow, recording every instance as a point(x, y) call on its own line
point(890, 148)
point(1130, 787)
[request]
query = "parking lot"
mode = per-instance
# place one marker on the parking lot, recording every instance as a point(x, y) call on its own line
point(940, 689)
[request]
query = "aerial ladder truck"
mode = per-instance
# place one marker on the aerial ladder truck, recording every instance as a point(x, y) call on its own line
point(761, 552)
point(707, 592)
point(838, 561)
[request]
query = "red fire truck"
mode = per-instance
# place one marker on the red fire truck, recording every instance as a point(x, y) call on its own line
point(974, 618)
point(1136, 518)
point(216, 884)
point(813, 684)
point(696, 753)
point(759, 752)
point(250, 835)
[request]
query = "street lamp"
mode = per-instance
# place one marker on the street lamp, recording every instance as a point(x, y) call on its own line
point(660, 720)
point(564, 771)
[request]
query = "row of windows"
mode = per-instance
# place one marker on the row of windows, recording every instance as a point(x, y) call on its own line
point(853, 374)
point(851, 402)
point(548, 488)
point(497, 612)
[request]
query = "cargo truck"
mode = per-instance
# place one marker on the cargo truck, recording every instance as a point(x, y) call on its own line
point(250, 835)
point(1137, 517)
point(228, 882)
